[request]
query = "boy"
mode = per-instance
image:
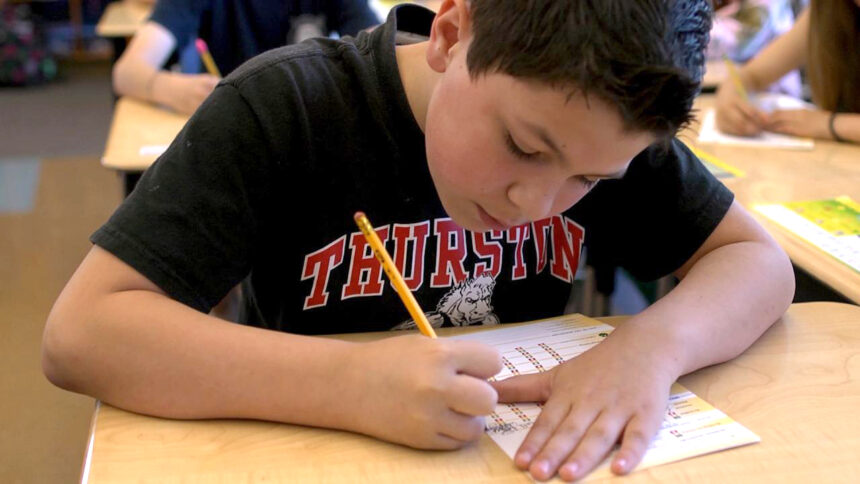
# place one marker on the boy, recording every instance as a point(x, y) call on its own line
point(520, 108)
point(235, 31)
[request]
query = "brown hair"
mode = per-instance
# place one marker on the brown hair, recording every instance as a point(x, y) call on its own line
point(645, 57)
point(832, 65)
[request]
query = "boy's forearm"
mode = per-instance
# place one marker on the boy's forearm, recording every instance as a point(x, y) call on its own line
point(168, 360)
point(721, 307)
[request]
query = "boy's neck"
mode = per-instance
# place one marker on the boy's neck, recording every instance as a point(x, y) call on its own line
point(417, 77)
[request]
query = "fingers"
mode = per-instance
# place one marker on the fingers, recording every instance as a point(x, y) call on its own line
point(784, 122)
point(462, 428)
point(571, 441)
point(637, 437)
point(553, 437)
point(752, 114)
point(740, 119)
point(524, 388)
point(475, 359)
point(471, 396)
point(597, 442)
point(443, 442)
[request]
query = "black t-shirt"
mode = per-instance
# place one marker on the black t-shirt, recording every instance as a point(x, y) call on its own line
point(236, 30)
point(263, 181)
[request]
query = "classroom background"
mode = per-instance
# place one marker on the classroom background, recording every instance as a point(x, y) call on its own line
point(56, 109)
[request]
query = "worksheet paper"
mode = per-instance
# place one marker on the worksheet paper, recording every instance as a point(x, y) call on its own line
point(767, 102)
point(691, 426)
point(830, 225)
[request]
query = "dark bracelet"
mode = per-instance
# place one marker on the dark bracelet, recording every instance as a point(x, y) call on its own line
point(832, 129)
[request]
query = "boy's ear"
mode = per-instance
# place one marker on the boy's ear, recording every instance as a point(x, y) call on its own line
point(450, 29)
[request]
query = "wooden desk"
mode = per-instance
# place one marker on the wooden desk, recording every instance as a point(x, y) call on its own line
point(775, 176)
point(798, 388)
point(137, 130)
point(123, 18)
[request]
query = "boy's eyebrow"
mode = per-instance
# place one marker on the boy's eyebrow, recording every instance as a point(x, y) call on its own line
point(544, 136)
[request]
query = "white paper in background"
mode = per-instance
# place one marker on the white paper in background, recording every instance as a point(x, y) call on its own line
point(767, 102)
point(691, 426)
point(152, 150)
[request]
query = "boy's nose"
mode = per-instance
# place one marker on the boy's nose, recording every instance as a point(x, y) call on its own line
point(535, 199)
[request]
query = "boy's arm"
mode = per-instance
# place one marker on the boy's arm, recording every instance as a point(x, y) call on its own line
point(138, 72)
point(732, 289)
point(116, 336)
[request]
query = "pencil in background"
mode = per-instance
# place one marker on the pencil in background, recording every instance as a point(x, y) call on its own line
point(208, 61)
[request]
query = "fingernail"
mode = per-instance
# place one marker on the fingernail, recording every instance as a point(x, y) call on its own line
point(568, 472)
point(542, 467)
point(524, 457)
point(621, 464)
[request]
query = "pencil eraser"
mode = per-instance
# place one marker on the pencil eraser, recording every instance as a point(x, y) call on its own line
point(201, 45)
point(358, 215)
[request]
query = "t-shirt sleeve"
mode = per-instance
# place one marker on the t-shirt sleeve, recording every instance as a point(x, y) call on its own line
point(180, 17)
point(192, 221)
point(353, 17)
point(655, 218)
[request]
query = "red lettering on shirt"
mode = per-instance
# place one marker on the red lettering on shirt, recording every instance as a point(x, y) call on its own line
point(566, 246)
point(415, 236)
point(365, 271)
point(518, 234)
point(450, 253)
point(539, 229)
point(319, 265)
point(485, 246)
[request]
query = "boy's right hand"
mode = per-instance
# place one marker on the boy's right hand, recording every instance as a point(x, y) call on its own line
point(735, 115)
point(421, 392)
point(184, 93)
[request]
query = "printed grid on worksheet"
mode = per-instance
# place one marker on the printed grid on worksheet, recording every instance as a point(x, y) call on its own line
point(690, 425)
point(534, 349)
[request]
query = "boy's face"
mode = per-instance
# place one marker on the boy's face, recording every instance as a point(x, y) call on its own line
point(503, 151)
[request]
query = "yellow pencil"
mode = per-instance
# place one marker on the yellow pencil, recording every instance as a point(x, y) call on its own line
point(207, 58)
point(394, 275)
point(736, 78)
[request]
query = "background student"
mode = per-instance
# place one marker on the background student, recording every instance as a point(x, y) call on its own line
point(824, 41)
point(742, 28)
point(486, 156)
point(234, 30)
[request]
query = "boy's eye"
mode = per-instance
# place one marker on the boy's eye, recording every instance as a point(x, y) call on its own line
point(516, 150)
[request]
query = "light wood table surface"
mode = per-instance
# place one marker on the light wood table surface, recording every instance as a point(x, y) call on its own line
point(138, 128)
point(777, 175)
point(798, 388)
point(123, 18)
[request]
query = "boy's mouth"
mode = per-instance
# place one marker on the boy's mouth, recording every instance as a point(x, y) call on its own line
point(490, 221)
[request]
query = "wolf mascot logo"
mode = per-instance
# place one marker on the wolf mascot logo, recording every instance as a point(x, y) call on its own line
point(468, 303)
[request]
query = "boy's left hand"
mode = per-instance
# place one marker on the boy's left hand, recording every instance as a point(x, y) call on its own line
point(808, 123)
point(617, 390)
